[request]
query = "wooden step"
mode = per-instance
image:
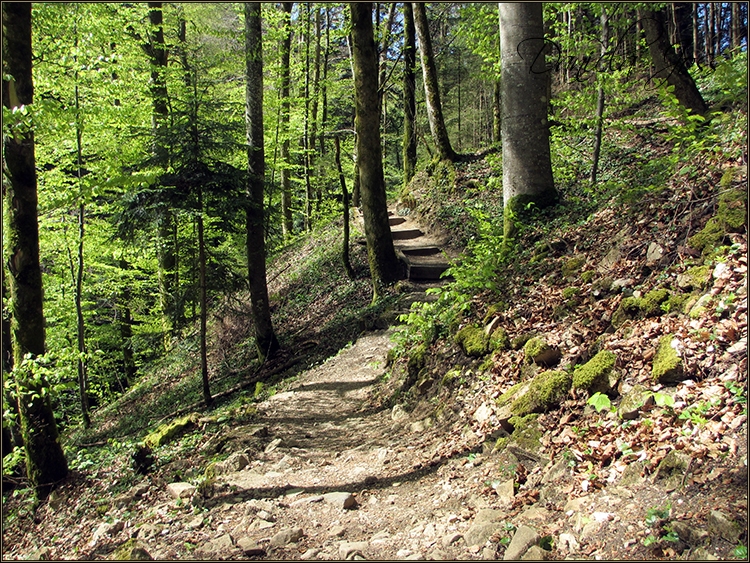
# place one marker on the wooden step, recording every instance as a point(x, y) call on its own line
point(393, 221)
point(406, 234)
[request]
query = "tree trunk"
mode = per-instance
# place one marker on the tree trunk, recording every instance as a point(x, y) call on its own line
point(306, 139)
point(126, 331)
point(431, 90)
point(527, 167)
point(669, 67)
point(410, 107)
point(384, 266)
point(600, 99)
point(696, 50)
point(684, 24)
point(45, 461)
point(324, 85)
point(286, 173)
point(312, 141)
point(355, 183)
point(265, 338)
point(345, 199)
point(203, 302)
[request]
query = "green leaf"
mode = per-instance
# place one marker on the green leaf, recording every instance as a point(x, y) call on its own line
point(600, 402)
point(663, 400)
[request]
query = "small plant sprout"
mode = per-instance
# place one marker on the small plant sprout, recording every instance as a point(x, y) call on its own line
point(599, 401)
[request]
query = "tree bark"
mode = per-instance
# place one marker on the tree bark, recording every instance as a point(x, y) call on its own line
point(669, 67)
point(431, 89)
point(286, 172)
point(45, 461)
point(345, 199)
point(203, 302)
point(527, 166)
point(265, 338)
point(384, 266)
point(410, 105)
point(600, 99)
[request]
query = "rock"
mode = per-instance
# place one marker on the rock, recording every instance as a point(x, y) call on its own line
point(343, 500)
point(701, 554)
point(398, 413)
point(287, 536)
point(633, 401)
point(596, 375)
point(667, 366)
point(250, 547)
point(535, 553)
point(450, 539)
point(272, 445)
point(654, 254)
point(721, 525)
point(691, 536)
point(147, 531)
point(622, 283)
point(672, 469)
point(437, 555)
point(472, 341)
point(486, 523)
point(558, 471)
point(195, 523)
point(541, 353)
point(505, 492)
point(489, 553)
point(483, 413)
point(350, 550)
point(590, 529)
point(337, 532)
point(522, 540)
point(569, 542)
point(106, 529)
point(235, 462)
point(41, 554)
point(168, 432)
point(180, 490)
point(633, 474)
point(132, 550)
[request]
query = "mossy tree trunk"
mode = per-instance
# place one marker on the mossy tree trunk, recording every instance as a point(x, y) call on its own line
point(431, 87)
point(45, 461)
point(668, 66)
point(527, 166)
point(265, 338)
point(410, 106)
point(384, 266)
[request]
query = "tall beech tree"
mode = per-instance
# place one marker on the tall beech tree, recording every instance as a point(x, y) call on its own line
point(431, 87)
point(265, 338)
point(410, 106)
point(527, 166)
point(45, 461)
point(384, 265)
point(286, 172)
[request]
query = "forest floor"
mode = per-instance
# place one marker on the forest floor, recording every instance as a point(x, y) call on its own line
point(341, 462)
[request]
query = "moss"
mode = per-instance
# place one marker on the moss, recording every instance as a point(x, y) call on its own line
point(572, 266)
point(650, 304)
point(546, 390)
point(570, 292)
point(527, 434)
point(444, 174)
point(499, 339)
point(699, 276)
point(417, 361)
point(675, 302)
point(516, 208)
point(629, 308)
point(667, 366)
point(731, 217)
point(519, 341)
point(501, 444)
point(604, 284)
point(449, 377)
point(587, 276)
point(595, 374)
point(168, 432)
point(535, 347)
point(498, 307)
point(473, 341)
point(505, 398)
point(131, 550)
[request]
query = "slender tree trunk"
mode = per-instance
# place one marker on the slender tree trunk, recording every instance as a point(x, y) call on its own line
point(669, 67)
point(410, 106)
point(684, 26)
point(696, 29)
point(527, 166)
point(356, 201)
point(126, 330)
point(707, 35)
point(431, 89)
point(345, 199)
point(383, 66)
point(384, 266)
point(312, 141)
point(265, 338)
point(324, 85)
point(306, 140)
point(207, 399)
point(600, 99)
point(286, 173)
point(45, 462)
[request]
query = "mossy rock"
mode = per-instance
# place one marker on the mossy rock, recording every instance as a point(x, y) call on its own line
point(572, 266)
point(570, 292)
point(520, 341)
point(450, 377)
point(675, 302)
point(632, 402)
point(596, 375)
point(499, 339)
point(700, 306)
point(696, 277)
point(417, 361)
point(498, 307)
point(650, 304)
point(588, 276)
point(132, 550)
point(168, 432)
point(667, 366)
point(527, 434)
point(473, 341)
point(539, 352)
point(547, 390)
point(731, 217)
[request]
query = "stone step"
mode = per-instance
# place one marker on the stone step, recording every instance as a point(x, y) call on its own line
point(424, 272)
point(406, 234)
point(393, 221)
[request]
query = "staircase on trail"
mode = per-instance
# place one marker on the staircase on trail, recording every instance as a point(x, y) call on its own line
point(422, 255)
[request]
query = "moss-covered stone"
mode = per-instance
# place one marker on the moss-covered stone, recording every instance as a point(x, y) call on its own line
point(499, 339)
point(546, 390)
point(526, 434)
point(667, 366)
point(473, 341)
point(570, 292)
point(650, 304)
point(596, 375)
point(572, 266)
point(632, 402)
point(132, 550)
point(417, 361)
point(450, 377)
point(587, 276)
point(498, 307)
point(539, 352)
point(699, 276)
point(519, 341)
point(675, 302)
point(700, 306)
point(168, 432)
point(731, 217)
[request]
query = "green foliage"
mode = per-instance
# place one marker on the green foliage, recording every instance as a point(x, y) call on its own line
point(599, 401)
